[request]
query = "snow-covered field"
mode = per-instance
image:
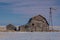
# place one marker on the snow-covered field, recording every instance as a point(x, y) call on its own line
point(29, 35)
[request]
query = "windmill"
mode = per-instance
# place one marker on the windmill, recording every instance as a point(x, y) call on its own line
point(50, 17)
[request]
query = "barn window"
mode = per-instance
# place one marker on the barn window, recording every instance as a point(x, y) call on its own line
point(32, 24)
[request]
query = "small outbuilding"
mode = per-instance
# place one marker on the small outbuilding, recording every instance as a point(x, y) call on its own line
point(11, 27)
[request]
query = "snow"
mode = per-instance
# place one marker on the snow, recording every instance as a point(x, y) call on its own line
point(29, 35)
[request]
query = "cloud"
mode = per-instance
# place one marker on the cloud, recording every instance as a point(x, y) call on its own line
point(4, 4)
point(29, 6)
point(6, 1)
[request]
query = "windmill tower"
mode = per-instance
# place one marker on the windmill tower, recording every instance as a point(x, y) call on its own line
point(50, 17)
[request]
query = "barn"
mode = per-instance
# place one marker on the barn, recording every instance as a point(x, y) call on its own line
point(36, 24)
